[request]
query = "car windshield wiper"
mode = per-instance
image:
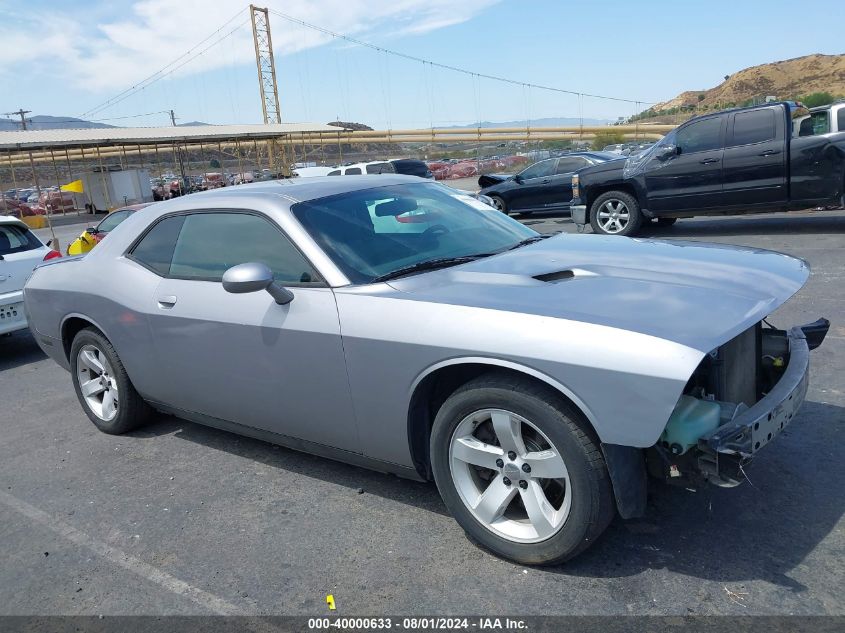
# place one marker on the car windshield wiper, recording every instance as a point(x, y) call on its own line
point(527, 241)
point(430, 264)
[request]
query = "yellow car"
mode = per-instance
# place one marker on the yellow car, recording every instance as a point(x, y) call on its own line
point(93, 234)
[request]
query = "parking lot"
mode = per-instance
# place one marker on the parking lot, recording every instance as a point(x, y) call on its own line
point(178, 518)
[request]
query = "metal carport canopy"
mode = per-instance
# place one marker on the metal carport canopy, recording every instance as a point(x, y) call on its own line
point(117, 136)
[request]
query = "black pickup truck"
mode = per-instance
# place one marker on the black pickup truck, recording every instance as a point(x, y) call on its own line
point(747, 160)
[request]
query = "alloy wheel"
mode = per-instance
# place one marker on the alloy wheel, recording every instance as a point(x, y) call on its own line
point(510, 476)
point(97, 382)
point(613, 216)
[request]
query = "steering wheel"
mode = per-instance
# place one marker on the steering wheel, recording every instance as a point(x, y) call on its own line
point(437, 229)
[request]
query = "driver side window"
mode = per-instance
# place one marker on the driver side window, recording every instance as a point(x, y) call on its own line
point(700, 136)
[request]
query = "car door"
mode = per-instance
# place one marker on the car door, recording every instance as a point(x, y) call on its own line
point(242, 357)
point(755, 158)
point(691, 178)
point(559, 190)
point(530, 186)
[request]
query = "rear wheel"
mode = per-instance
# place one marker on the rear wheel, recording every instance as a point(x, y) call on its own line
point(520, 470)
point(102, 386)
point(615, 213)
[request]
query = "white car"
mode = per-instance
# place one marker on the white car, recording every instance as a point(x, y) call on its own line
point(356, 169)
point(20, 253)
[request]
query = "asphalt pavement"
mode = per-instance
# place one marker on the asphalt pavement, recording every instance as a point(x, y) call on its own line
point(177, 518)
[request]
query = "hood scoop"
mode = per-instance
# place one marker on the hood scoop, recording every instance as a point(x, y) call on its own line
point(556, 276)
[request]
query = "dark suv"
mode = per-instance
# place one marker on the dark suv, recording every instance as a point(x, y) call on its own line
point(412, 167)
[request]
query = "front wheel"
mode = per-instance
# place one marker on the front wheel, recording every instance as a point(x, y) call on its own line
point(520, 470)
point(615, 213)
point(499, 203)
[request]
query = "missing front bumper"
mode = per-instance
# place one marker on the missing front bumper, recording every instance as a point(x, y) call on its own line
point(724, 452)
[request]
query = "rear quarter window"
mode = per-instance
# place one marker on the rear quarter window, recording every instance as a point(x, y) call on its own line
point(16, 239)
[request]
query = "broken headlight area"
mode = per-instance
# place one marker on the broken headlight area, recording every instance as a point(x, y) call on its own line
point(741, 396)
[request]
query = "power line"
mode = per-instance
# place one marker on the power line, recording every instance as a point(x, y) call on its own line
point(352, 40)
point(158, 74)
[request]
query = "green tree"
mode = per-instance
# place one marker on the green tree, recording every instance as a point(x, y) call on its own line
point(603, 139)
point(816, 99)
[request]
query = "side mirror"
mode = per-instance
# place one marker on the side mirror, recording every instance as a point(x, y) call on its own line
point(518, 179)
point(92, 230)
point(252, 277)
point(667, 151)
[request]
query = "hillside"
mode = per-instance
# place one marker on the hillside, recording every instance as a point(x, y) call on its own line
point(784, 79)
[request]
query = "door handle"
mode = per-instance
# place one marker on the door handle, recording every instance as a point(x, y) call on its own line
point(546, 181)
point(167, 301)
point(770, 152)
point(708, 161)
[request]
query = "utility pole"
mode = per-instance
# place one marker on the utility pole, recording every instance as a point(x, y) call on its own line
point(178, 151)
point(22, 114)
point(54, 242)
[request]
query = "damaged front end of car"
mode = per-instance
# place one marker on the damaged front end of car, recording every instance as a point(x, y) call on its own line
point(740, 397)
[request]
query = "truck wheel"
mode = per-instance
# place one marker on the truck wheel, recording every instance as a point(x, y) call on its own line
point(615, 213)
point(666, 221)
point(520, 470)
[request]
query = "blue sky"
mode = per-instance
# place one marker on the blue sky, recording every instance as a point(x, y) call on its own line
point(64, 58)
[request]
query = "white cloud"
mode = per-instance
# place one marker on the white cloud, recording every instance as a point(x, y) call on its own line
point(109, 56)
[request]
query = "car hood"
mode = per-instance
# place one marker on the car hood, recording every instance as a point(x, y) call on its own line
point(695, 294)
point(488, 180)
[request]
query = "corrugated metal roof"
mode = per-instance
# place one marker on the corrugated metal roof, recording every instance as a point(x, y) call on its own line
point(45, 139)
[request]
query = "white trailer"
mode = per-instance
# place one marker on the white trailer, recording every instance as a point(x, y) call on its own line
point(108, 190)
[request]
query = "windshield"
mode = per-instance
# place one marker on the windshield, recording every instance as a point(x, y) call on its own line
point(16, 239)
point(372, 232)
point(635, 162)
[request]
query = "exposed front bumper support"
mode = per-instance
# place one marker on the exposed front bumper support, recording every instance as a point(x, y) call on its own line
point(733, 444)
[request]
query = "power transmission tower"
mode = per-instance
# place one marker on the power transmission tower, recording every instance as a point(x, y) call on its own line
point(267, 86)
point(265, 64)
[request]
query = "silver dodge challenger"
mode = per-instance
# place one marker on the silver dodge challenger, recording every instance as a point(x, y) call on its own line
point(400, 325)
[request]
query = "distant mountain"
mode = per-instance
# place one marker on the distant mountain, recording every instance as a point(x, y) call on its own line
point(44, 122)
point(548, 122)
point(786, 79)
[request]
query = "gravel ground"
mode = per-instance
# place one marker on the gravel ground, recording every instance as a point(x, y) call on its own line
point(181, 519)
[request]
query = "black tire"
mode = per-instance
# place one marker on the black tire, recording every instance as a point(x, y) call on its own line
point(666, 221)
point(132, 410)
point(500, 204)
point(592, 506)
point(635, 218)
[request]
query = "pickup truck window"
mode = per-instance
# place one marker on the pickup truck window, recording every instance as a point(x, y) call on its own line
point(754, 126)
point(840, 120)
point(700, 136)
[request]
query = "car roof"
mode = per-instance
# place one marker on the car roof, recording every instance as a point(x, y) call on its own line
point(10, 219)
point(296, 190)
